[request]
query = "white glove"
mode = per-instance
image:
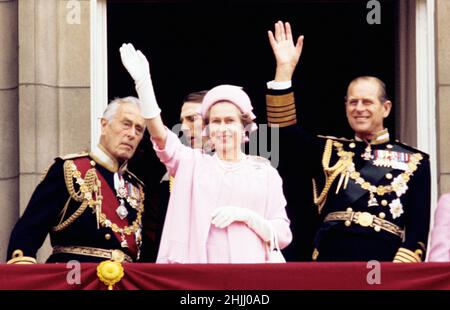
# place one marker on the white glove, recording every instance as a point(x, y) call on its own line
point(224, 216)
point(137, 66)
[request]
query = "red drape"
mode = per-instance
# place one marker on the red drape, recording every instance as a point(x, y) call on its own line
point(290, 276)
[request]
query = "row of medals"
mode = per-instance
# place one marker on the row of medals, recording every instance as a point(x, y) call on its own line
point(396, 208)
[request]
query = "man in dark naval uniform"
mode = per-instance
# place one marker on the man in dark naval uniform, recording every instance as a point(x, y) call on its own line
point(89, 203)
point(372, 192)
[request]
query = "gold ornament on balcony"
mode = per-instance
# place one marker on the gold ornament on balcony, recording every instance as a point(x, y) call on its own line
point(110, 272)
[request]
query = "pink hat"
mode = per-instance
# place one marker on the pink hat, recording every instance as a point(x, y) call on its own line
point(231, 93)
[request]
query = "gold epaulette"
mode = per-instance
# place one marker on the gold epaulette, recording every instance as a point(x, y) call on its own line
point(45, 173)
point(63, 157)
point(18, 258)
point(281, 110)
point(74, 155)
point(411, 149)
point(336, 138)
point(136, 178)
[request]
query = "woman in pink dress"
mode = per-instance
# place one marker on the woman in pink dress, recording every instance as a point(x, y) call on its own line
point(440, 235)
point(225, 207)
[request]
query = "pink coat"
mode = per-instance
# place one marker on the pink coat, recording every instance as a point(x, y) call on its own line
point(440, 236)
point(203, 183)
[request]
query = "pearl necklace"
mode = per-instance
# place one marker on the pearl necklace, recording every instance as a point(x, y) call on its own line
point(230, 166)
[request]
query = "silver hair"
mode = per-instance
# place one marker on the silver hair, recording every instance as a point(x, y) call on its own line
point(111, 109)
point(382, 93)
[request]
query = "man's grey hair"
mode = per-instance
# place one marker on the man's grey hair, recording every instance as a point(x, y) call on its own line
point(382, 93)
point(111, 109)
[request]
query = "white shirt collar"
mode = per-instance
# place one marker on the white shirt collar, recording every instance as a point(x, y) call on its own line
point(101, 156)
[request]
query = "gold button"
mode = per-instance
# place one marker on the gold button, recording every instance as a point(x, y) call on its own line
point(107, 236)
point(352, 145)
point(117, 256)
point(365, 219)
point(382, 215)
point(388, 176)
point(349, 209)
point(389, 146)
point(384, 202)
point(92, 163)
point(347, 223)
point(377, 228)
point(315, 254)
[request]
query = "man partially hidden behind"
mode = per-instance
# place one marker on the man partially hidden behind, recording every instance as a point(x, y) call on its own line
point(90, 203)
point(147, 166)
point(372, 192)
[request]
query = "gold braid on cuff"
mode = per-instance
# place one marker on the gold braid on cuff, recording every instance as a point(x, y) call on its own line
point(18, 258)
point(407, 256)
point(281, 110)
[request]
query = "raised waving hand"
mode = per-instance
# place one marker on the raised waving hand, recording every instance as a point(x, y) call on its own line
point(287, 54)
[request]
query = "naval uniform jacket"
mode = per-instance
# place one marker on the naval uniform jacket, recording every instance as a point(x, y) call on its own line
point(350, 229)
point(45, 211)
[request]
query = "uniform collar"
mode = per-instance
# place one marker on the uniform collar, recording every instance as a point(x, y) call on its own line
point(380, 137)
point(104, 158)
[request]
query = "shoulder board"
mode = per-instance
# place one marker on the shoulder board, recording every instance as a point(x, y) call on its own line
point(336, 138)
point(411, 149)
point(45, 173)
point(74, 155)
point(258, 159)
point(136, 178)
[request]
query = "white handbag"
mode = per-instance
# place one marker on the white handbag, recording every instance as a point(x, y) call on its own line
point(274, 254)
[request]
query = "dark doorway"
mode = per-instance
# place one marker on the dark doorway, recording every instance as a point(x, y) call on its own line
point(195, 45)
